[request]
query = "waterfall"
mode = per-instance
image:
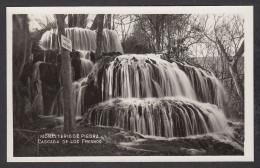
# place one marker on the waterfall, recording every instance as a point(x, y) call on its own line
point(140, 93)
point(167, 116)
point(144, 76)
point(151, 96)
point(79, 87)
point(207, 87)
point(83, 39)
point(78, 92)
point(78, 101)
point(84, 54)
point(86, 66)
point(50, 102)
point(111, 42)
point(148, 95)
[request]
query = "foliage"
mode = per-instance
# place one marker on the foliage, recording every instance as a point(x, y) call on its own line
point(45, 24)
point(133, 45)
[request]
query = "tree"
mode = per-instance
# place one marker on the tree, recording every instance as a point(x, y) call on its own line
point(45, 25)
point(69, 118)
point(108, 22)
point(94, 24)
point(70, 20)
point(174, 33)
point(233, 62)
point(182, 33)
point(123, 25)
point(100, 21)
point(227, 35)
point(77, 20)
point(153, 26)
point(21, 52)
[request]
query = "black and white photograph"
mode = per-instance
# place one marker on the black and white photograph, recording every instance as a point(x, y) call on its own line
point(164, 83)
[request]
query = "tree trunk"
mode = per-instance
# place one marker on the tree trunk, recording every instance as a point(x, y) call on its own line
point(74, 20)
point(162, 35)
point(69, 118)
point(169, 36)
point(158, 40)
point(77, 20)
point(158, 30)
point(94, 24)
point(232, 62)
point(108, 22)
point(237, 80)
point(113, 26)
point(168, 33)
point(222, 66)
point(21, 52)
point(81, 21)
point(70, 20)
point(100, 21)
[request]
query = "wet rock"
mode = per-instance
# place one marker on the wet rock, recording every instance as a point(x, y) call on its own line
point(192, 151)
point(76, 65)
point(93, 89)
point(51, 56)
point(226, 149)
point(48, 122)
point(50, 85)
point(38, 56)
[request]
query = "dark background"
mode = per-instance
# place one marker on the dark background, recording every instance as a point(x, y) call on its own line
point(35, 3)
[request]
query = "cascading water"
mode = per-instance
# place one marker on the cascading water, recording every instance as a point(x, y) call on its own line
point(151, 96)
point(141, 93)
point(86, 66)
point(144, 76)
point(168, 116)
point(84, 42)
point(84, 54)
point(78, 92)
point(83, 39)
point(53, 105)
point(206, 85)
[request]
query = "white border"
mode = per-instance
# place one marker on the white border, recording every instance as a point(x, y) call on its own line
point(246, 11)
